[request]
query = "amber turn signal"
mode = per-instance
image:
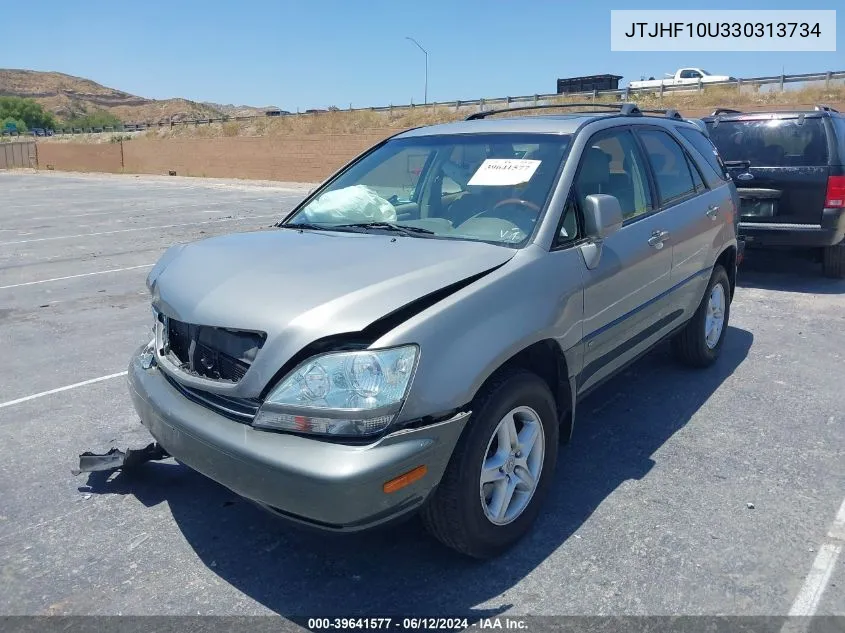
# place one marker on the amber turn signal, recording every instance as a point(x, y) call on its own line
point(405, 480)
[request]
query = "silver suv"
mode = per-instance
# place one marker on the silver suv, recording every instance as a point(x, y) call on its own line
point(416, 334)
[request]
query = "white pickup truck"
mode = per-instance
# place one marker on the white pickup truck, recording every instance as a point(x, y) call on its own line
point(682, 76)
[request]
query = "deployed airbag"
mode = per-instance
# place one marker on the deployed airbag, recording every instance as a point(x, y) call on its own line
point(353, 204)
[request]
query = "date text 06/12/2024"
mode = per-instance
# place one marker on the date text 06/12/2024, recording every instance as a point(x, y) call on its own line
point(415, 623)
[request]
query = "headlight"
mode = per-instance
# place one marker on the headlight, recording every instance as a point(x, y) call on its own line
point(341, 393)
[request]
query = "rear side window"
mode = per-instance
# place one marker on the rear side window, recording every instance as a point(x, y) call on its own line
point(669, 162)
point(706, 148)
point(839, 129)
point(772, 142)
point(696, 176)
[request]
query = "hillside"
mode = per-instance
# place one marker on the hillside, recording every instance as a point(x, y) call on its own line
point(67, 96)
point(238, 110)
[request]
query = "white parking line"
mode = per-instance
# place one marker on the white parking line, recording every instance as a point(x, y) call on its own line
point(837, 530)
point(807, 601)
point(98, 272)
point(60, 389)
point(140, 228)
point(132, 210)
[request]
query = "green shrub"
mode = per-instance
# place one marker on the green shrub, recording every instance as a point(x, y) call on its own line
point(26, 111)
point(100, 119)
point(20, 126)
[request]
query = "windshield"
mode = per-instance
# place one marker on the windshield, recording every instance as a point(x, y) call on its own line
point(487, 187)
point(771, 142)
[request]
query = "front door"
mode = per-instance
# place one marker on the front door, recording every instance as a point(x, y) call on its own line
point(624, 311)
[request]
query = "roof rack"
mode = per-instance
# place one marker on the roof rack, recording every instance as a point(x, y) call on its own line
point(625, 109)
point(669, 114)
point(719, 111)
point(825, 108)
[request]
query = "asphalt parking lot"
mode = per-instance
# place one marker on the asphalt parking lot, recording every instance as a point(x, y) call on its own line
point(682, 492)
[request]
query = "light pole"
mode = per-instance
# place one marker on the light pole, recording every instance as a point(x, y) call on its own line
point(425, 52)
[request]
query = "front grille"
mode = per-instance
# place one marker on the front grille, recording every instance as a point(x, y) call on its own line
point(210, 352)
point(237, 409)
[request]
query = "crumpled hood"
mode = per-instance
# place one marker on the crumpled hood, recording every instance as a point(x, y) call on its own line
point(301, 286)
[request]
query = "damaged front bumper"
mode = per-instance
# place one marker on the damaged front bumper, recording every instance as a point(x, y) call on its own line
point(309, 480)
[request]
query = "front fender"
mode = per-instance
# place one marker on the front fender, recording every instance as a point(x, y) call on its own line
point(463, 339)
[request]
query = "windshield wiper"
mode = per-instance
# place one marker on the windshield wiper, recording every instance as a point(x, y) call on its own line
point(415, 231)
point(304, 225)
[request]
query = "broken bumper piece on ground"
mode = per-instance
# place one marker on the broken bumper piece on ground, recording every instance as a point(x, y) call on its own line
point(116, 459)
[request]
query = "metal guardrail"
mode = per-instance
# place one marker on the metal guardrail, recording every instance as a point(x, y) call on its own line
point(622, 94)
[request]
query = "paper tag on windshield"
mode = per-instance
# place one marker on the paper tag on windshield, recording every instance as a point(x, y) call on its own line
point(504, 171)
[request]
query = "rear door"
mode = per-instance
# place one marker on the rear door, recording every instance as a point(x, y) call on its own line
point(694, 216)
point(785, 177)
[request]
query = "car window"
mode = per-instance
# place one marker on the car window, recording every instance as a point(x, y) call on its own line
point(569, 224)
point(485, 187)
point(696, 175)
point(839, 128)
point(772, 142)
point(669, 162)
point(398, 175)
point(690, 74)
point(706, 148)
point(612, 164)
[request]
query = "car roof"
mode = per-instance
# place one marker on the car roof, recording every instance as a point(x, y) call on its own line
point(540, 124)
point(561, 124)
point(770, 114)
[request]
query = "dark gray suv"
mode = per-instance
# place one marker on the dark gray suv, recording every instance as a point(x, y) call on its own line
point(415, 336)
point(789, 168)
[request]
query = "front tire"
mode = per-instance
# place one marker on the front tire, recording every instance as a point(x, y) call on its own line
point(501, 469)
point(700, 342)
point(833, 261)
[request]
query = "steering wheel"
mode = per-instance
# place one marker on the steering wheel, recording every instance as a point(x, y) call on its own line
point(524, 204)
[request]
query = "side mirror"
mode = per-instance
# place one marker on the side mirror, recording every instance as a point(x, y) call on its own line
point(602, 216)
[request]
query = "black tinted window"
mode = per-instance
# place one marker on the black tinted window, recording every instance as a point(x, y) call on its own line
point(706, 148)
point(696, 175)
point(669, 162)
point(839, 128)
point(772, 142)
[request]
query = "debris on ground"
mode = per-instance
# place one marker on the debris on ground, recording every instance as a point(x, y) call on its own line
point(749, 505)
point(116, 459)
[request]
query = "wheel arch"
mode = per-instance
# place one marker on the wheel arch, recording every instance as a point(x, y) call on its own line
point(727, 259)
point(547, 360)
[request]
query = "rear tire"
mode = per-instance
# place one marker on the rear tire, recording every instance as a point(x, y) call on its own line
point(462, 512)
point(833, 261)
point(699, 344)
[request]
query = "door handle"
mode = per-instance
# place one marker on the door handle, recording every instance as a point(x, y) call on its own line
point(713, 211)
point(657, 238)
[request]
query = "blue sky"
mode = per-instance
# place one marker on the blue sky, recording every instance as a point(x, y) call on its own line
point(327, 52)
